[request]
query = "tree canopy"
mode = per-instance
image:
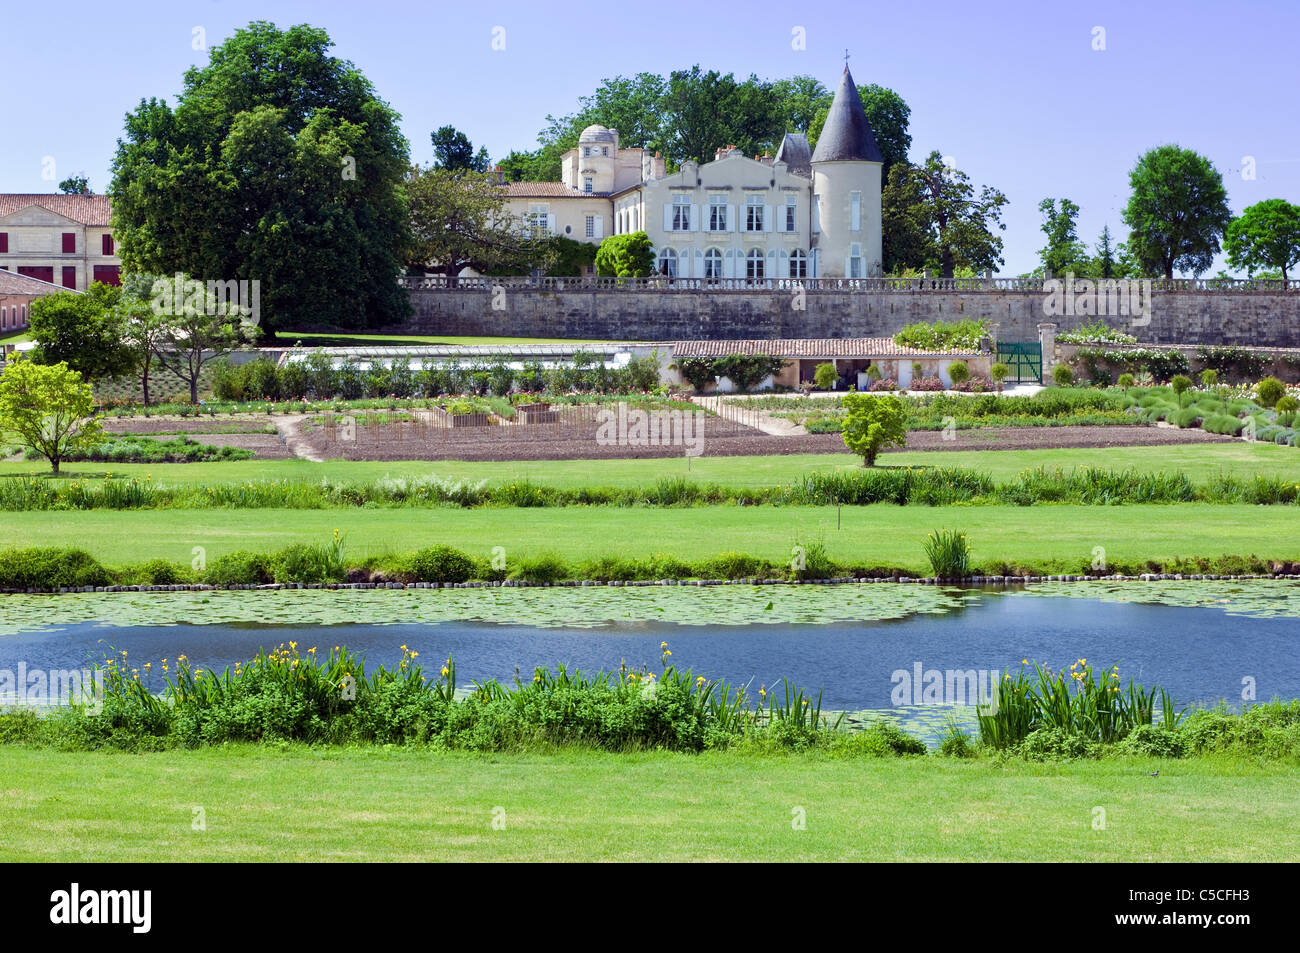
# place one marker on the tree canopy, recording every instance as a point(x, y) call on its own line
point(280, 164)
point(933, 216)
point(1266, 236)
point(689, 113)
point(1177, 211)
point(48, 408)
point(82, 331)
point(460, 219)
point(1064, 251)
point(452, 150)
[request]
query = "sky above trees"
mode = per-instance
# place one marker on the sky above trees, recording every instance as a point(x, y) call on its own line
point(1015, 92)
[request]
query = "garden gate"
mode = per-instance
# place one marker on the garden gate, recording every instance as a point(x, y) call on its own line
point(1025, 358)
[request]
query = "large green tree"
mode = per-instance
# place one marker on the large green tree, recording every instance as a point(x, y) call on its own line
point(452, 150)
point(705, 110)
point(1264, 237)
point(83, 331)
point(460, 219)
point(1177, 211)
point(941, 219)
point(278, 164)
point(1064, 251)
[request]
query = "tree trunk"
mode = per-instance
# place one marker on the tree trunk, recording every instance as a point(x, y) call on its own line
point(144, 381)
point(194, 389)
point(54, 464)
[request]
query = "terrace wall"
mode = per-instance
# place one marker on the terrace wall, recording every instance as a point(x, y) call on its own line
point(1241, 313)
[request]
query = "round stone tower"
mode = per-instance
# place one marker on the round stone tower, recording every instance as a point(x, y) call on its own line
point(846, 169)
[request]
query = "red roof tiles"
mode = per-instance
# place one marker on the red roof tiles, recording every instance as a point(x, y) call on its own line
point(86, 209)
point(808, 347)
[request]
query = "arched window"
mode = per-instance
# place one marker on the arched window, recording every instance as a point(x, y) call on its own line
point(798, 264)
point(754, 264)
point(713, 263)
point(668, 263)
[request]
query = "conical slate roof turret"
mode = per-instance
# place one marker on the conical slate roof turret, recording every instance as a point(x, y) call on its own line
point(847, 136)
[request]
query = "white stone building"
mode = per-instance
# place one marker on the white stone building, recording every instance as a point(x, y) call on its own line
point(66, 240)
point(799, 214)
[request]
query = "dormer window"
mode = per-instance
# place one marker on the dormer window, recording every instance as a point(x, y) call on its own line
point(586, 184)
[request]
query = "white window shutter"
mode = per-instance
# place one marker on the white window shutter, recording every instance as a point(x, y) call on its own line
point(550, 222)
point(817, 214)
point(668, 217)
point(731, 219)
point(698, 270)
point(695, 217)
point(848, 266)
point(729, 267)
point(783, 268)
point(599, 230)
point(767, 218)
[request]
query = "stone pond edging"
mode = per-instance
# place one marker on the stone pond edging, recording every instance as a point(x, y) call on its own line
point(519, 584)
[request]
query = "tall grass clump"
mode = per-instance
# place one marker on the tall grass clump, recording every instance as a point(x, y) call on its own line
point(949, 554)
point(1063, 712)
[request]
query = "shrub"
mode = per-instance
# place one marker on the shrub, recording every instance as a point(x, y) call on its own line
point(308, 563)
point(948, 337)
point(885, 739)
point(949, 554)
point(1187, 417)
point(873, 423)
point(50, 568)
point(999, 372)
point(1154, 741)
point(1062, 376)
point(1222, 424)
point(1125, 381)
point(1286, 404)
point(1269, 391)
point(240, 568)
point(825, 376)
point(440, 564)
point(956, 741)
point(158, 572)
point(732, 565)
point(1209, 378)
point(548, 567)
point(958, 373)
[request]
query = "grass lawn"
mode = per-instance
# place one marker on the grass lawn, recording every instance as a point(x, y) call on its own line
point(373, 339)
point(882, 534)
point(1198, 461)
point(263, 804)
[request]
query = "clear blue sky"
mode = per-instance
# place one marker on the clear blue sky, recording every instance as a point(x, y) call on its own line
point(1013, 91)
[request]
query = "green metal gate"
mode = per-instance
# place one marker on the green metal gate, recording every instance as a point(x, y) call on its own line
point(1025, 358)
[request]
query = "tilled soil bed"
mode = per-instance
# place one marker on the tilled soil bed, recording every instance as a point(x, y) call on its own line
point(505, 443)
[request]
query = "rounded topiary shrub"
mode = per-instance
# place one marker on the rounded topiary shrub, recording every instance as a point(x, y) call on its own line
point(1062, 376)
point(440, 564)
point(1269, 391)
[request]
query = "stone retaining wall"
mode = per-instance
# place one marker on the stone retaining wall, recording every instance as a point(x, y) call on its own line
point(1249, 319)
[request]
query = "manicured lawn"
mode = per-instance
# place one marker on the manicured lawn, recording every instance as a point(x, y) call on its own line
point(290, 338)
point(262, 804)
point(883, 534)
point(1198, 461)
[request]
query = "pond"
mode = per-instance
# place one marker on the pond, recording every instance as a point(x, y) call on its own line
point(868, 648)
